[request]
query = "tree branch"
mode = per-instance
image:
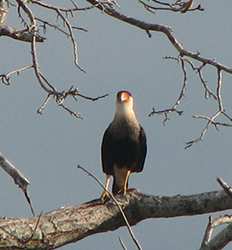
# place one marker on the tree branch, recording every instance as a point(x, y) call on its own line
point(177, 6)
point(20, 180)
point(22, 35)
point(163, 29)
point(73, 223)
point(222, 238)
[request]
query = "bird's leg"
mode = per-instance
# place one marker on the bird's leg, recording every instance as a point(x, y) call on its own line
point(126, 182)
point(105, 195)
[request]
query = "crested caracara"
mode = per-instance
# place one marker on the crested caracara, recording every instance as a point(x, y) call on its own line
point(124, 146)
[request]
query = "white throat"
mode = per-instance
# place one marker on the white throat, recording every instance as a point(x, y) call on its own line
point(125, 112)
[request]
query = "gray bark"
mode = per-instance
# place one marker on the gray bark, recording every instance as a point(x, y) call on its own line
point(70, 224)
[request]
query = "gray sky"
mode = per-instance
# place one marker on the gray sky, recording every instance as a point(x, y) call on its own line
point(116, 56)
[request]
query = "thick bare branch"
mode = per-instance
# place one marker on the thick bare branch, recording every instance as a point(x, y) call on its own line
point(74, 223)
point(20, 180)
point(163, 29)
point(17, 176)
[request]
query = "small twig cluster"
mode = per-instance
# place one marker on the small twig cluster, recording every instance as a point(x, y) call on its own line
point(208, 93)
point(177, 6)
point(212, 120)
point(173, 108)
point(30, 34)
point(60, 97)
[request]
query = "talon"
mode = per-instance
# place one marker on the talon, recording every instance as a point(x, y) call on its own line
point(105, 197)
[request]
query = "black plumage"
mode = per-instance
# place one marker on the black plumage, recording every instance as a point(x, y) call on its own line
point(124, 146)
point(127, 150)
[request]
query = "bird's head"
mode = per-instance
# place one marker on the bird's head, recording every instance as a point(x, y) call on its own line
point(124, 103)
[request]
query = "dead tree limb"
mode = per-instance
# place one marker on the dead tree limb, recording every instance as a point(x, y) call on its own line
point(70, 224)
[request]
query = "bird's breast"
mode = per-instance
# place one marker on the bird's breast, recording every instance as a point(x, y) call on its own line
point(125, 128)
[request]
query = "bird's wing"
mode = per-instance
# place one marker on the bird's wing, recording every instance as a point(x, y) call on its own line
point(143, 149)
point(106, 152)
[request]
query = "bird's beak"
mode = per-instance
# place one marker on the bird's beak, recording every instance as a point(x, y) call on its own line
point(124, 97)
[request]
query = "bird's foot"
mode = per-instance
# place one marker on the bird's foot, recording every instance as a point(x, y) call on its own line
point(121, 197)
point(105, 196)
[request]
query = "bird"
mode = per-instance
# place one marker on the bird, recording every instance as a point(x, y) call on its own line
point(124, 146)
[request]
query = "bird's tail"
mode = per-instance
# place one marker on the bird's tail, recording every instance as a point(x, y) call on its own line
point(115, 188)
point(118, 187)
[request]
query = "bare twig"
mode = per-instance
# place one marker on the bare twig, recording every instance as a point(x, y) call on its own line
point(23, 241)
point(122, 244)
point(216, 124)
point(167, 111)
point(227, 188)
point(211, 120)
point(44, 104)
point(208, 92)
point(177, 6)
point(92, 98)
point(69, 27)
point(5, 78)
point(72, 113)
point(61, 96)
point(56, 27)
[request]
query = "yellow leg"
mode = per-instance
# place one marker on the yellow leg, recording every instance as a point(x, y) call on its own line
point(104, 194)
point(126, 182)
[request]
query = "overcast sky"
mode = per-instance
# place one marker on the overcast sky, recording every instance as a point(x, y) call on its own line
point(48, 147)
